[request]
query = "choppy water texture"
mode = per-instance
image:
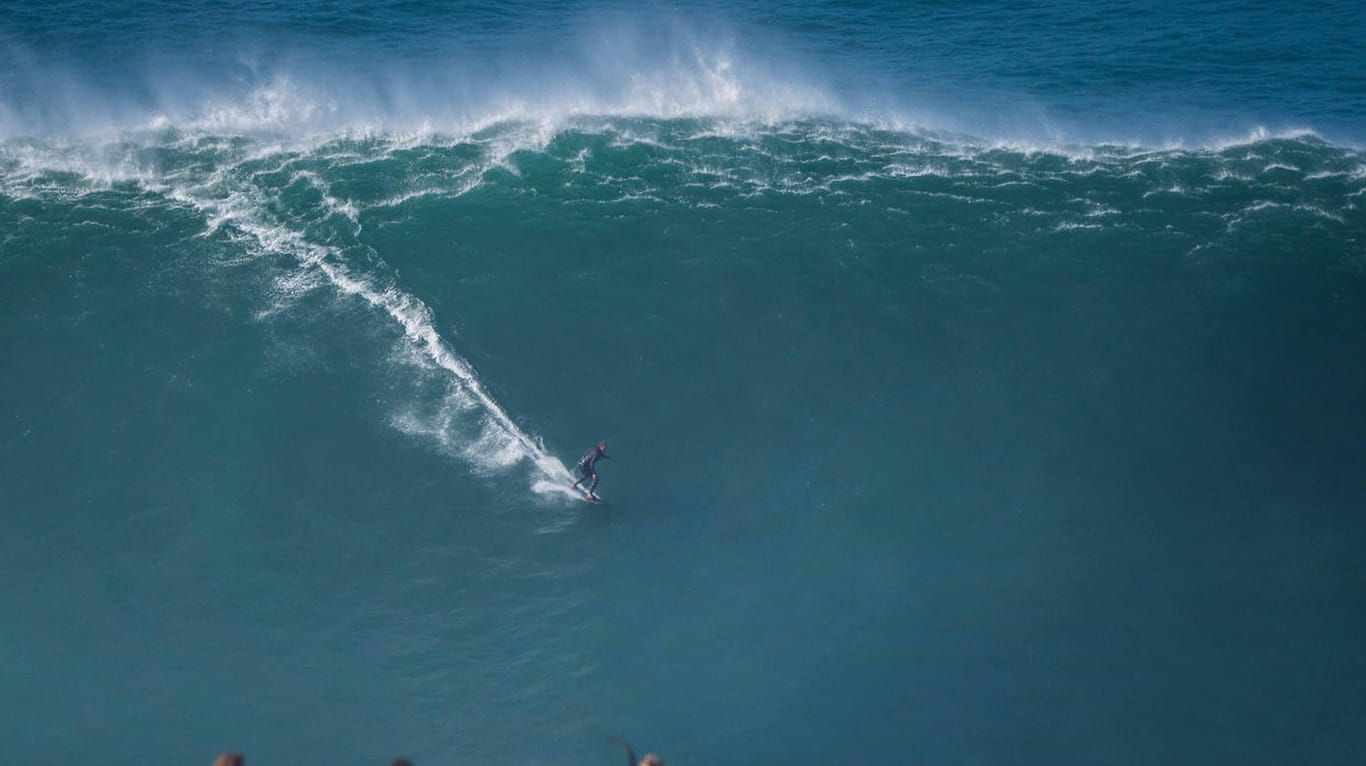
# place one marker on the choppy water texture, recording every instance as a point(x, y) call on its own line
point(984, 383)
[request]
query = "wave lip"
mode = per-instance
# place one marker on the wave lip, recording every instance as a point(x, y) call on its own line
point(720, 103)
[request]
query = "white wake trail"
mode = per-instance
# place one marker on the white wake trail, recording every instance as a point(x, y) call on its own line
point(416, 319)
point(500, 442)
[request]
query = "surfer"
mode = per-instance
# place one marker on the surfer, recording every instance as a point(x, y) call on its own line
point(588, 471)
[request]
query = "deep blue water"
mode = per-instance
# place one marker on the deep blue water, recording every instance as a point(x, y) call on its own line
point(984, 382)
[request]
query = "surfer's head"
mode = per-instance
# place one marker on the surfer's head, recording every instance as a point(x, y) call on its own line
point(602, 446)
point(651, 759)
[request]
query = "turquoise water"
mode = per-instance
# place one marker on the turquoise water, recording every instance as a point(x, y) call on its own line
point(983, 383)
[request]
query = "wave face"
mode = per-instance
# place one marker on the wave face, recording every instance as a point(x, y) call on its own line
point(952, 420)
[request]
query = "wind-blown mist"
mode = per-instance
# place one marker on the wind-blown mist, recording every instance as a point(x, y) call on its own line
point(1115, 73)
point(613, 66)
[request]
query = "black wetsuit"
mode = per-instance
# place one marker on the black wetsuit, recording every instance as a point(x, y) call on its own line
point(588, 461)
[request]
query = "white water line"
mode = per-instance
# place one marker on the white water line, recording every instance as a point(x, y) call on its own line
point(410, 312)
point(415, 317)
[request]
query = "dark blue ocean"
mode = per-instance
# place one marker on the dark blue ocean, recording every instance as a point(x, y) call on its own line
point(984, 382)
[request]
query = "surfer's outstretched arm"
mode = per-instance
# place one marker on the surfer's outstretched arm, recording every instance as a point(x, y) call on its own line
point(630, 754)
